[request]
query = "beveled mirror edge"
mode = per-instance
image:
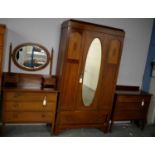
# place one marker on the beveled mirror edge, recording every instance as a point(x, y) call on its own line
point(14, 52)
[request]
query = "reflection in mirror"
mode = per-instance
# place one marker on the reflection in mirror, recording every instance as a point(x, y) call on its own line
point(30, 56)
point(91, 72)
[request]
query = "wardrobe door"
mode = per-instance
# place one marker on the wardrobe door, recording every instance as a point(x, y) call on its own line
point(91, 69)
point(70, 71)
point(98, 73)
point(112, 52)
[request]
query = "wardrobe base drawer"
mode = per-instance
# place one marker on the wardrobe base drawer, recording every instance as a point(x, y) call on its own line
point(15, 117)
point(78, 117)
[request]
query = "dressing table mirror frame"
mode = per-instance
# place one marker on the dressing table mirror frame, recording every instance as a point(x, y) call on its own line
point(12, 79)
point(14, 52)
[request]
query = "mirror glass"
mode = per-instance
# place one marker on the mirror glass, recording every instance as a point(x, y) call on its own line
point(31, 56)
point(91, 72)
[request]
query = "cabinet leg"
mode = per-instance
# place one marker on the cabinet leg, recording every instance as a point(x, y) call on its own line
point(3, 129)
point(140, 124)
point(52, 129)
point(143, 123)
point(110, 126)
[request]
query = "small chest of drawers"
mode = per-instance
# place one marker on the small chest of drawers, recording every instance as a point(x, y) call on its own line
point(29, 106)
point(130, 105)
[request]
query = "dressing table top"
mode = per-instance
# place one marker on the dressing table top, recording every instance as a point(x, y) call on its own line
point(25, 82)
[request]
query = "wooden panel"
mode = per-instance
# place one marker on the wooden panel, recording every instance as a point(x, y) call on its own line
point(114, 51)
point(61, 57)
point(29, 96)
point(11, 117)
point(2, 32)
point(82, 117)
point(127, 88)
point(74, 46)
point(131, 106)
point(1, 53)
point(69, 87)
point(136, 98)
point(1, 40)
point(93, 27)
point(129, 115)
point(109, 75)
point(29, 106)
point(2, 28)
point(107, 88)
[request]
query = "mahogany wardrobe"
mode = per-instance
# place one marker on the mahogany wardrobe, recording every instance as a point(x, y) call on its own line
point(87, 69)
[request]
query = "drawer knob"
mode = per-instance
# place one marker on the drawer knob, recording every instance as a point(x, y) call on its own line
point(45, 101)
point(142, 103)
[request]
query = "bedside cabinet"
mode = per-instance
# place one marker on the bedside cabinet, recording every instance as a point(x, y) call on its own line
point(130, 105)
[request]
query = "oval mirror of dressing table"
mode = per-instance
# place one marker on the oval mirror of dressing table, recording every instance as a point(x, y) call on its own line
point(25, 99)
point(31, 56)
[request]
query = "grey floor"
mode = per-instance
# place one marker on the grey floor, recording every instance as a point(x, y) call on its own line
point(118, 130)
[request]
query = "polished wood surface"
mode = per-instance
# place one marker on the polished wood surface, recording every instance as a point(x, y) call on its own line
point(76, 24)
point(130, 105)
point(12, 94)
point(2, 42)
point(127, 88)
point(76, 38)
point(27, 101)
point(28, 117)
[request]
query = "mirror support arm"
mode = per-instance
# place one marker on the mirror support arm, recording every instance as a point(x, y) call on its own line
point(10, 55)
point(51, 61)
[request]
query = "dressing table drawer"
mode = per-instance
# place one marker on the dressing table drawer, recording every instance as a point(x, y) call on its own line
point(29, 106)
point(29, 96)
point(12, 117)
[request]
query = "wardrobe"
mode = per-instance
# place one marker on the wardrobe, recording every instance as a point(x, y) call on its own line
point(87, 69)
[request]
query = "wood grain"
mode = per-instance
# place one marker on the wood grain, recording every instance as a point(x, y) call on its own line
point(76, 38)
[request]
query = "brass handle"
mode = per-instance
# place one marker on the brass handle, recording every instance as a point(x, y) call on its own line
point(142, 103)
point(81, 78)
point(45, 101)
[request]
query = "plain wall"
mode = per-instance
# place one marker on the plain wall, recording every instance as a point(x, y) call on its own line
point(47, 33)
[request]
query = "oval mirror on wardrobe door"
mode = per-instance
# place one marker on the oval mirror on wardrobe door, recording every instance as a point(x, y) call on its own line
point(91, 72)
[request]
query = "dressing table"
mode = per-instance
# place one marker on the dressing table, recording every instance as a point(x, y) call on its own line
point(26, 97)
